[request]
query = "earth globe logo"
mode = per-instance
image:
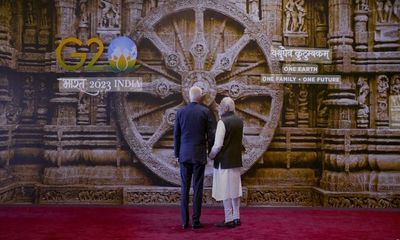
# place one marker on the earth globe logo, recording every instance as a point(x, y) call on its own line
point(122, 54)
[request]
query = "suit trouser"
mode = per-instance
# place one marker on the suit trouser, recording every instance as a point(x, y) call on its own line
point(187, 170)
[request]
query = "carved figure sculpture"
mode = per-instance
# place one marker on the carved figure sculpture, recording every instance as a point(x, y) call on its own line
point(396, 9)
point(84, 18)
point(396, 85)
point(362, 98)
point(362, 5)
point(43, 15)
point(29, 13)
point(388, 8)
point(109, 14)
point(290, 20)
point(320, 13)
point(379, 10)
point(301, 13)
point(253, 9)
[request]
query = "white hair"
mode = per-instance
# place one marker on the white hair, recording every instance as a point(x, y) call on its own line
point(195, 94)
point(227, 105)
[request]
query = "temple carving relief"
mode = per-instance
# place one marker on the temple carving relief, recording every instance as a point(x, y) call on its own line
point(330, 145)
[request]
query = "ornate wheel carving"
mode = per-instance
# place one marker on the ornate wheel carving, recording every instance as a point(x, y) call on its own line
point(211, 44)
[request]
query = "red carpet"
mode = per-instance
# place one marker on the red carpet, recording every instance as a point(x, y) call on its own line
point(69, 222)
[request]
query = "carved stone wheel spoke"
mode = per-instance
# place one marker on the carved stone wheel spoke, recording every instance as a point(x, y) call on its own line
point(210, 44)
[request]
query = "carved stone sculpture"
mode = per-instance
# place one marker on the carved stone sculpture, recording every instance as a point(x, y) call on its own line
point(109, 14)
point(387, 11)
point(303, 114)
point(301, 13)
point(382, 101)
point(320, 13)
point(295, 16)
point(29, 101)
point(291, 19)
point(254, 9)
point(362, 5)
point(363, 111)
point(395, 85)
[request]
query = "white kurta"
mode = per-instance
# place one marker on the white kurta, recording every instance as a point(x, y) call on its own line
point(226, 182)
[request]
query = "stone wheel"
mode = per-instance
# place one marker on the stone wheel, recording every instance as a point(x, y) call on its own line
point(211, 44)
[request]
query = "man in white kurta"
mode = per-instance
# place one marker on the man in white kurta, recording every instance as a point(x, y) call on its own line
point(227, 185)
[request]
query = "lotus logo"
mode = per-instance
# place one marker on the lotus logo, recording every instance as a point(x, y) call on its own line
point(122, 54)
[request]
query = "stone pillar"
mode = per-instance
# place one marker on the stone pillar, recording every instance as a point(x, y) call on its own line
point(44, 25)
point(8, 54)
point(340, 33)
point(5, 19)
point(4, 99)
point(341, 102)
point(133, 13)
point(29, 101)
point(19, 24)
point(321, 23)
point(361, 25)
point(30, 25)
point(64, 107)
point(83, 24)
point(65, 16)
point(272, 17)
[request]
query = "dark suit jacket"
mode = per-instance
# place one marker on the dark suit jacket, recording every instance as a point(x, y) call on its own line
point(194, 128)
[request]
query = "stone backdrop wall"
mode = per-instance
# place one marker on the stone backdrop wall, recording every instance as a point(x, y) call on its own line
point(305, 145)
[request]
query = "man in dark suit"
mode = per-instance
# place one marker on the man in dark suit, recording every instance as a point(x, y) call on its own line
point(193, 135)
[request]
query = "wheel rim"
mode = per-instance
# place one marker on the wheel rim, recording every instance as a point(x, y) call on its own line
point(147, 128)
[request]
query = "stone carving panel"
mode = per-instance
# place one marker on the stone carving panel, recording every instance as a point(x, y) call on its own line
point(361, 15)
point(275, 196)
point(77, 195)
point(295, 22)
point(108, 19)
point(363, 202)
point(387, 24)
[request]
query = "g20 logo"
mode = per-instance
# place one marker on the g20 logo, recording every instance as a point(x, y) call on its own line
point(122, 54)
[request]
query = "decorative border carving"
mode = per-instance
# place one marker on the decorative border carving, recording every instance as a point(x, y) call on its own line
point(254, 196)
point(79, 195)
point(287, 196)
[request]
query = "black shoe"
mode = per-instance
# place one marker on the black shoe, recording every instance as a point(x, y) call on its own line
point(230, 224)
point(236, 222)
point(185, 226)
point(197, 225)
